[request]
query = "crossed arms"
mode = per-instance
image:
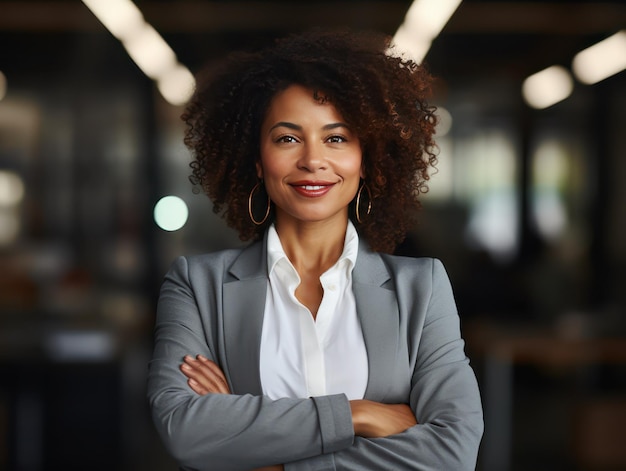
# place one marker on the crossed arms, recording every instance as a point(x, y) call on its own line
point(205, 427)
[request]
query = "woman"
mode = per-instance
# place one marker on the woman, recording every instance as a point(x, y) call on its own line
point(313, 348)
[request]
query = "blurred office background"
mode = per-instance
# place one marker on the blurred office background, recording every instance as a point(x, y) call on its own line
point(527, 212)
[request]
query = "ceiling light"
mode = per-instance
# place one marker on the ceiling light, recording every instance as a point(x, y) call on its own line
point(405, 43)
point(547, 87)
point(145, 46)
point(600, 61)
point(177, 85)
point(150, 51)
point(428, 17)
point(121, 17)
point(423, 22)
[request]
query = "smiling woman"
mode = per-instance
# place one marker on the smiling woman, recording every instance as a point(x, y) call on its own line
point(312, 348)
point(381, 99)
point(310, 159)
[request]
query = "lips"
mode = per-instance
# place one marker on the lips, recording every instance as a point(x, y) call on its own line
point(312, 189)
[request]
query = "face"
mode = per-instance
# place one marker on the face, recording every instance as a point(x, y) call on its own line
point(310, 158)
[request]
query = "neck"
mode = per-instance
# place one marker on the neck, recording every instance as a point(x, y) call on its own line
point(313, 246)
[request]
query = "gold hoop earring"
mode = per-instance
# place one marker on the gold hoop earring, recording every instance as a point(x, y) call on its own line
point(358, 203)
point(267, 211)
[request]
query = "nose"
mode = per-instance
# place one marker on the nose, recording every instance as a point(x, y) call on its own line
point(313, 157)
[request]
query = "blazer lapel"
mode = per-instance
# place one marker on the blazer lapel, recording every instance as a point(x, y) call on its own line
point(244, 305)
point(378, 312)
point(243, 308)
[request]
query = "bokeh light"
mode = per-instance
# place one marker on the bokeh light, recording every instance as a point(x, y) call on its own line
point(170, 213)
point(11, 188)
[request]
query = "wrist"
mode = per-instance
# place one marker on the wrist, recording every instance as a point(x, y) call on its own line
point(358, 416)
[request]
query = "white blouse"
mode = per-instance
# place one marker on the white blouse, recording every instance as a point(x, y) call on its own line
point(302, 356)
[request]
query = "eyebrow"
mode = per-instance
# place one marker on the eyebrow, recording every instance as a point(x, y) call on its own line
point(297, 127)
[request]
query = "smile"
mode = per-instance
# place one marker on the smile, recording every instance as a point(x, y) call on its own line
point(312, 190)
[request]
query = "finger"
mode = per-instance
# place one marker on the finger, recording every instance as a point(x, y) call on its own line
point(197, 387)
point(199, 382)
point(213, 366)
point(216, 371)
point(211, 379)
point(382, 420)
point(194, 370)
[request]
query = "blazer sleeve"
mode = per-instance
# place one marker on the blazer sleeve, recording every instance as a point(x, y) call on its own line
point(228, 431)
point(444, 396)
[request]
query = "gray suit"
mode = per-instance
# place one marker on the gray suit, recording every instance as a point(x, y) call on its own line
point(213, 304)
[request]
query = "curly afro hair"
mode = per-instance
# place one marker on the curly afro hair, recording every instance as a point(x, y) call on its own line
point(382, 97)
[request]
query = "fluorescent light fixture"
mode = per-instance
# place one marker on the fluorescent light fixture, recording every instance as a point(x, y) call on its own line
point(145, 46)
point(428, 17)
point(423, 22)
point(600, 61)
point(547, 87)
point(405, 43)
point(150, 52)
point(121, 17)
point(177, 85)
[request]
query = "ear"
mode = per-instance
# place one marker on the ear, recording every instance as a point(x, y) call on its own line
point(259, 169)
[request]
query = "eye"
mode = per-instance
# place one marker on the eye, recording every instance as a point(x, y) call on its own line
point(336, 139)
point(286, 139)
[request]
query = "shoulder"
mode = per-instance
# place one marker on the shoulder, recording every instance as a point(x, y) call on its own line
point(211, 265)
point(411, 266)
point(421, 286)
point(417, 277)
point(212, 260)
point(377, 267)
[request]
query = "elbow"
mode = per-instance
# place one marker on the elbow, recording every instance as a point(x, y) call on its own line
point(470, 433)
point(182, 446)
point(171, 422)
point(174, 440)
point(458, 443)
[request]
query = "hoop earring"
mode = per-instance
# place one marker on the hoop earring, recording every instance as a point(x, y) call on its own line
point(267, 211)
point(358, 203)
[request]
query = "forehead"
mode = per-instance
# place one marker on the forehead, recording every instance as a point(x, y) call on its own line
point(301, 102)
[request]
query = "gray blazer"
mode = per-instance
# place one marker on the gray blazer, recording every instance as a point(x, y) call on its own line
point(213, 304)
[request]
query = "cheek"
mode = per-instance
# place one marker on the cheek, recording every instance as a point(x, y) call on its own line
point(266, 164)
point(357, 165)
point(269, 168)
point(353, 173)
point(272, 174)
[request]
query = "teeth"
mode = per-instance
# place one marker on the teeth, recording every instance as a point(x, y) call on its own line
point(312, 187)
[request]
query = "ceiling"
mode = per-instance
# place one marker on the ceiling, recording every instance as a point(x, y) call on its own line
point(510, 39)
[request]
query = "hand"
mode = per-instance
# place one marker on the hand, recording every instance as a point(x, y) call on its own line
point(204, 376)
point(374, 419)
